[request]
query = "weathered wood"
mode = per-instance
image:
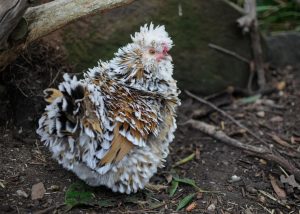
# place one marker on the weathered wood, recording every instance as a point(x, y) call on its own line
point(11, 13)
point(46, 18)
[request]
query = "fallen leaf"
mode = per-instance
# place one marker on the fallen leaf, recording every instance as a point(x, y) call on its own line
point(185, 201)
point(281, 85)
point(78, 194)
point(37, 191)
point(173, 188)
point(250, 99)
point(280, 141)
point(186, 181)
point(279, 191)
point(192, 206)
point(107, 203)
point(156, 187)
point(184, 160)
point(290, 180)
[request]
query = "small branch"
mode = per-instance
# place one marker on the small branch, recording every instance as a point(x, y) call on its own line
point(220, 135)
point(248, 23)
point(261, 151)
point(225, 115)
point(234, 6)
point(231, 53)
point(258, 55)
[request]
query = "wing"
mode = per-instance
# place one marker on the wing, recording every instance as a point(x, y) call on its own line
point(69, 115)
point(135, 115)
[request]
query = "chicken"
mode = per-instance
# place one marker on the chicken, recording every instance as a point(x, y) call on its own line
point(114, 126)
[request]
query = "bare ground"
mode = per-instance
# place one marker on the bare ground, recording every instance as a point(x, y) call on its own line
point(25, 161)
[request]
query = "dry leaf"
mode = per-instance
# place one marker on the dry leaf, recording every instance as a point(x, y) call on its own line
point(290, 180)
point(156, 187)
point(191, 207)
point(281, 85)
point(279, 191)
point(280, 141)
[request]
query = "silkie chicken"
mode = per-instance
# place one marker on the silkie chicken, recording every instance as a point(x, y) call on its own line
point(114, 126)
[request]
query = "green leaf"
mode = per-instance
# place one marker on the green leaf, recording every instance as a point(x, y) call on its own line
point(78, 194)
point(174, 186)
point(186, 181)
point(107, 203)
point(185, 201)
point(185, 160)
point(250, 99)
point(265, 8)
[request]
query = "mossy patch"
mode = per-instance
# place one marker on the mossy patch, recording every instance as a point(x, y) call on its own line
point(197, 67)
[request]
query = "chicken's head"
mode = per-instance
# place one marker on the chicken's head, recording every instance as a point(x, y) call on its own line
point(154, 44)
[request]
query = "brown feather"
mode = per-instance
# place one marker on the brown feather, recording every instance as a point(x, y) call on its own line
point(50, 94)
point(119, 148)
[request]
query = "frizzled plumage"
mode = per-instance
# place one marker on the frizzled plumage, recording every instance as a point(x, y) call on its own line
point(114, 126)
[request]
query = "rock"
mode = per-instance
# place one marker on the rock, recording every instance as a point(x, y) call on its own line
point(211, 207)
point(234, 178)
point(37, 191)
point(54, 188)
point(283, 48)
point(276, 119)
point(197, 66)
point(21, 193)
point(260, 114)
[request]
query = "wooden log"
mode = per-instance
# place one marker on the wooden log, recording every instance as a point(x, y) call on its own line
point(46, 18)
point(11, 13)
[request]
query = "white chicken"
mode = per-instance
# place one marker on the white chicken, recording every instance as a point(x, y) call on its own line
point(114, 126)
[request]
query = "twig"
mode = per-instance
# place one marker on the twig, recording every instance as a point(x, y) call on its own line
point(231, 53)
point(225, 115)
point(261, 151)
point(250, 78)
point(234, 6)
point(220, 135)
point(48, 209)
point(54, 79)
point(249, 23)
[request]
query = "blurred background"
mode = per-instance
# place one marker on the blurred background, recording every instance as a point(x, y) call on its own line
point(193, 25)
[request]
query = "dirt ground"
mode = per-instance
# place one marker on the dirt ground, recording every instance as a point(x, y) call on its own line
point(243, 181)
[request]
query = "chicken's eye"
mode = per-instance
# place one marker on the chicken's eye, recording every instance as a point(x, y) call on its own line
point(152, 51)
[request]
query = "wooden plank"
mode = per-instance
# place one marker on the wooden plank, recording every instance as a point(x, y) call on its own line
point(11, 13)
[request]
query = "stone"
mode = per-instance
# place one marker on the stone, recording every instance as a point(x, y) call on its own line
point(22, 193)
point(37, 191)
point(283, 48)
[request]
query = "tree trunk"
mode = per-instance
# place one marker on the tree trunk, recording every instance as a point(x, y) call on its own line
point(46, 18)
point(10, 14)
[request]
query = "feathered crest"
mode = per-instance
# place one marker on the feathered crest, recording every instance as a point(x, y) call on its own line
point(151, 36)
